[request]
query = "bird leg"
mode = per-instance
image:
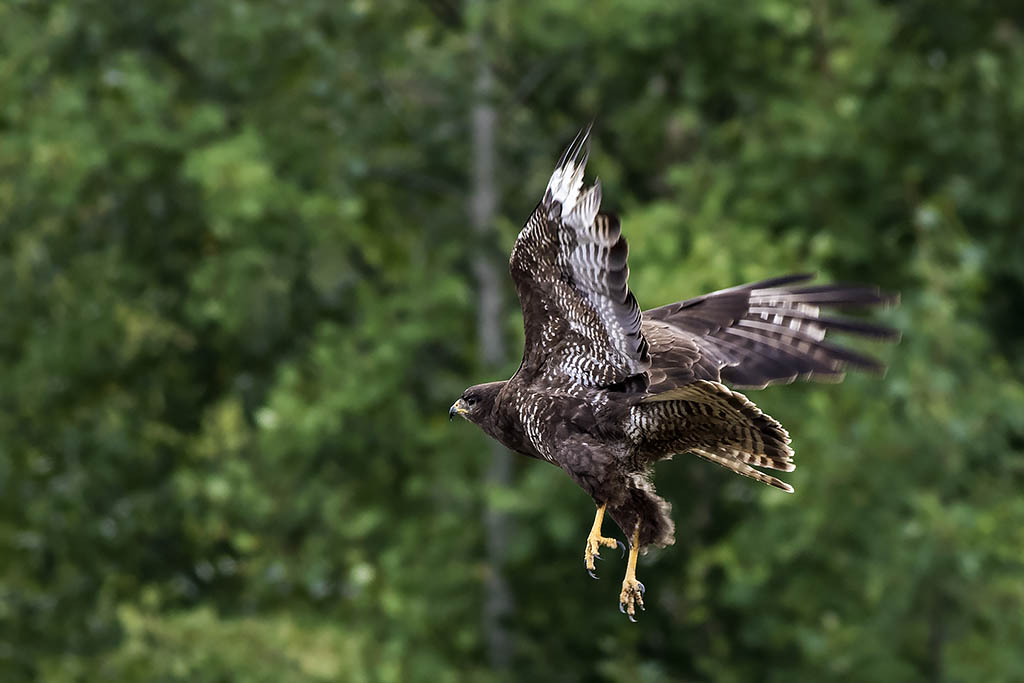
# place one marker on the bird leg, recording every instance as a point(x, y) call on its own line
point(594, 542)
point(632, 595)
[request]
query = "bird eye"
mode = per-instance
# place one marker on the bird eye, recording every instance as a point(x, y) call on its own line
point(470, 401)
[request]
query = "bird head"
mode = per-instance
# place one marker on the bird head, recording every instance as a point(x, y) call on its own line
point(476, 402)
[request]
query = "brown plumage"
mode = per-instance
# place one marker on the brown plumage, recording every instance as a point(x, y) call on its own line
point(605, 390)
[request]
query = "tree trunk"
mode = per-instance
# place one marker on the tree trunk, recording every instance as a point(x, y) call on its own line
point(498, 600)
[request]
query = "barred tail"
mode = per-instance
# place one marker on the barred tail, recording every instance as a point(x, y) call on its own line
point(738, 462)
point(723, 426)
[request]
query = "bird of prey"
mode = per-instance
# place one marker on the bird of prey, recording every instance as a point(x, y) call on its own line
point(604, 389)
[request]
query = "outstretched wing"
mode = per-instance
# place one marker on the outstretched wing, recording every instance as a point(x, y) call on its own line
point(761, 333)
point(569, 267)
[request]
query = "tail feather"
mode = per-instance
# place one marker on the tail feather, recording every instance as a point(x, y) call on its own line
point(718, 424)
point(735, 461)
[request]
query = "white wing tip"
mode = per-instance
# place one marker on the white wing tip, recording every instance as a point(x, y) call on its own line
point(567, 180)
point(584, 210)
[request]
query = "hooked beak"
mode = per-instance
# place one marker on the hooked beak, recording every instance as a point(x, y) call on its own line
point(458, 408)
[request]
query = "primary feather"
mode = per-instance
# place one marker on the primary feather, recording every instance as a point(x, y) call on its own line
point(765, 333)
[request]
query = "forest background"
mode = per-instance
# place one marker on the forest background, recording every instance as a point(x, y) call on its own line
point(250, 252)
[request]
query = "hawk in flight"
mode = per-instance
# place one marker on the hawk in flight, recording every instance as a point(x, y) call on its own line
point(605, 389)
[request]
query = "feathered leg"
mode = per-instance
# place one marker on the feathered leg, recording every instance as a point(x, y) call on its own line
point(595, 540)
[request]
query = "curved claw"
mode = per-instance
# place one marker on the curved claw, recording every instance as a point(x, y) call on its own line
point(643, 589)
point(622, 547)
point(592, 575)
point(631, 618)
point(622, 607)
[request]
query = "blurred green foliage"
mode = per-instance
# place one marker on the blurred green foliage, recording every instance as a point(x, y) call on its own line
point(238, 299)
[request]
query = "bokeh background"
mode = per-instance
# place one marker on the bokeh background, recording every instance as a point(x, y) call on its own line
point(250, 252)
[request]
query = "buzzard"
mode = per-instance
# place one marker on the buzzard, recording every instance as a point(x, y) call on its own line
point(604, 389)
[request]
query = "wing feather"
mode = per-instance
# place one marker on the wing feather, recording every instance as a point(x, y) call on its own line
point(767, 332)
point(569, 266)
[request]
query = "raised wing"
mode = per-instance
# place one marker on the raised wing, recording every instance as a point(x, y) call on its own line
point(759, 334)
point(569, 267)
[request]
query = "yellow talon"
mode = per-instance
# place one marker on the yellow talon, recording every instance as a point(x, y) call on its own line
point(632, 595)
point(594, 542)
